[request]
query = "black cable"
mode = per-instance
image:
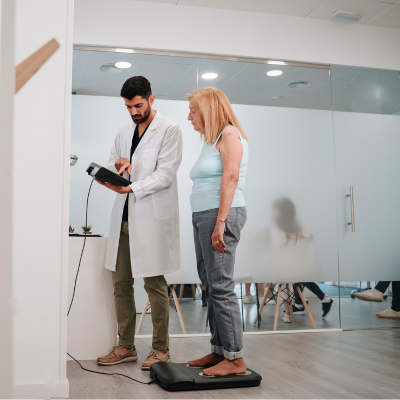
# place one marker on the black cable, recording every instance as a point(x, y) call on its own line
point(83, 248)
point(73, 295)
point(106, 373)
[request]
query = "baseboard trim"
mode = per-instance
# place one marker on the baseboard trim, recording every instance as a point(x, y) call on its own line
point(245, 333)
point(41, 391)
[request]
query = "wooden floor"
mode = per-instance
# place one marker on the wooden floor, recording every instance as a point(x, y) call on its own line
point(350, 364)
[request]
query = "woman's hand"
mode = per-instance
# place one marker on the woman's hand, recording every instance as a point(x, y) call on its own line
point(217, 237)
point(123, 165)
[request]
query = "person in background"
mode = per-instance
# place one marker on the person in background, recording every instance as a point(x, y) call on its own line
point(376, 295)
point(248, 298)
point(203, 296)
point(144, 226)
point(328, 304)
point(288, 228)
point(219, 215)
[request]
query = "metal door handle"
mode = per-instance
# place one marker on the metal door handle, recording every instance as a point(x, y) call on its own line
point(353, 226)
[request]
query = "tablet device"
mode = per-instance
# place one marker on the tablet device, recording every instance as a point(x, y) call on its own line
point(105, 175)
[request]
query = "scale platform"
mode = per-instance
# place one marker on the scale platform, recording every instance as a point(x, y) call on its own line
point(174, 377)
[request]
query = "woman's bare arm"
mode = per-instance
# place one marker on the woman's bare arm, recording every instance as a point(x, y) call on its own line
point(231, 150)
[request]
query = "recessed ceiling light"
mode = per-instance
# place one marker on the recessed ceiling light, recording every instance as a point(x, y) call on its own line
point(125, 51)
point(209, 75)
point(299, 84)
point(123, 64)
point(110, 69)
point(275, 72)
point(276, 62)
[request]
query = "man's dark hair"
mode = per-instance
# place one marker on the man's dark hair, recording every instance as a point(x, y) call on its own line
point(136, 86)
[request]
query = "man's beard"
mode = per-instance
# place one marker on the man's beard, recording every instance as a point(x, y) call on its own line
point(144, 117)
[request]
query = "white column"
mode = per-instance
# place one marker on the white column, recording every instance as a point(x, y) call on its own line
point(7, 85)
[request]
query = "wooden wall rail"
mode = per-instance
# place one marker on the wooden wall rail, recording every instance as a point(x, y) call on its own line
point(27, 68)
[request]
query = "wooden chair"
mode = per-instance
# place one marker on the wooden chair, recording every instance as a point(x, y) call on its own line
point(289, 294)
point(176, 307)
point(181, 292)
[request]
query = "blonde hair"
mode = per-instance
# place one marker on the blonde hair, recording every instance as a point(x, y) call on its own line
point(217, 112)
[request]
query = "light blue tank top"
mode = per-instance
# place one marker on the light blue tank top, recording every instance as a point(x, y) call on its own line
point(206, 175)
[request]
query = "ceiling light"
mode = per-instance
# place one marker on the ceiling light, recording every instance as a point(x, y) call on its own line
point(275, 72)
point(276, 98)
point(123, 64)
point(276, 62)
point(299, 84)
point(125, 51)
point(209, 75)
point(110, 69)
point(347, 16)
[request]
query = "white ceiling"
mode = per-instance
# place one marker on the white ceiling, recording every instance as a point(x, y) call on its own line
point(383, 13)
point(353, 89)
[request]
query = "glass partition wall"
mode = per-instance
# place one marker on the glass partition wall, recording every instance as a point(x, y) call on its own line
point(295, 191)
point(366, 125)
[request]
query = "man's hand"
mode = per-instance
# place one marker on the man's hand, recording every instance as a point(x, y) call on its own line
point(123, 165)
point(117, 189)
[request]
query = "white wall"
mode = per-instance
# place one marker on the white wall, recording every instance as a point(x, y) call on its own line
point(7, 84)
point(40, 214)
point(291, 155)
point(167, 27)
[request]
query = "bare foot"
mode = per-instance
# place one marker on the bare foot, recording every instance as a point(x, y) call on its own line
point(227, 367)
point(210, 359)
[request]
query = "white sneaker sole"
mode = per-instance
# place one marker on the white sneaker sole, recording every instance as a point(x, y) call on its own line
point(127, 359)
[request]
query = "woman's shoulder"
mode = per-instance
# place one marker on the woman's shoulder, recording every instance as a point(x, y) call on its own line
point(228, 134)
point(229, 130)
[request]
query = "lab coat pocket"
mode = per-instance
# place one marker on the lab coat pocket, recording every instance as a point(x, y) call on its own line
point(149, 160)
point(162, 204)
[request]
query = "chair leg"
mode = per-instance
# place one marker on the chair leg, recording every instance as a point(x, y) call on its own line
point(290, 303)
point(178, 310)
point(193, 292)
point(146, 305)
point(262, 305)
point(278, 300)
point(306, 307)
point(170, 295)
point(181, 292)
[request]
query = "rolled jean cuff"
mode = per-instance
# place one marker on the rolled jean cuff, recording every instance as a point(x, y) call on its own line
point(233, 355)
point(217, 350)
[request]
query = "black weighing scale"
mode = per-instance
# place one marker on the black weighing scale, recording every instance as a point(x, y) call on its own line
point(174, 377)
point(105, 175)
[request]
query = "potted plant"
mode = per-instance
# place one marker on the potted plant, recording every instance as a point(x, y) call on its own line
point(86, 229)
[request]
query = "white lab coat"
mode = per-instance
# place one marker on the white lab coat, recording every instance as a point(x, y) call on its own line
point(153, 220)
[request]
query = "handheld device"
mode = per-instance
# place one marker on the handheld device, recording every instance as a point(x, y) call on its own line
point(105, 175)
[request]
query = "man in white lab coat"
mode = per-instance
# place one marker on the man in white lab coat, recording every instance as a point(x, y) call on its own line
point(144, 230)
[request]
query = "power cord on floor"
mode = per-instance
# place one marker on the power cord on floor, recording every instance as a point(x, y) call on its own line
point(73, 295)
point(107, 373)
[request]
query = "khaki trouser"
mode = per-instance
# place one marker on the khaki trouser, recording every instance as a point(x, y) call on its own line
point(155, 286)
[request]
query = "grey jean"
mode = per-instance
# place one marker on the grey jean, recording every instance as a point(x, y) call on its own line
point(216, 274)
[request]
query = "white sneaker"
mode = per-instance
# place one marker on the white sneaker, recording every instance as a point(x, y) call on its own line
point(286, 318)
point(389, 313)
point(249, 300)
point(370, 295)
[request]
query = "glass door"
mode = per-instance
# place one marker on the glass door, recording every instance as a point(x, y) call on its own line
point(366, 125)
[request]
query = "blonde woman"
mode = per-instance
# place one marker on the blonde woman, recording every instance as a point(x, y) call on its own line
point(219, 214)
